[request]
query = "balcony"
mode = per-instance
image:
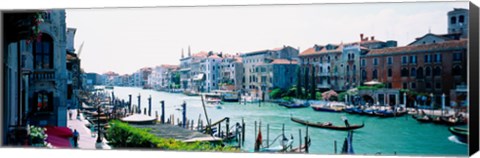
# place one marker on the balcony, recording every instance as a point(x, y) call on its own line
point(43, 75)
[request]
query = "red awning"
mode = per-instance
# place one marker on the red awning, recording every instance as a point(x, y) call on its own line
point(59, 131)
point(59, 142)
point(59, 136)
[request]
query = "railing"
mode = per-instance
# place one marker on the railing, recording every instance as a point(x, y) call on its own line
point(43, 75)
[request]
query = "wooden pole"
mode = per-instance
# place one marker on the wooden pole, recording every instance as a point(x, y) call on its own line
point(206, 115)
point(300, 140)
point(228, 128)
point(306, 141)
point(268, 135)
point(335, 146)
point(243, 132)
point(255, 134)
point(150, 105)
point(163, 111)
point(219, 129)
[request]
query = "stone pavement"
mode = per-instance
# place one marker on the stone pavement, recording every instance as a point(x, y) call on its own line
point(86, 141)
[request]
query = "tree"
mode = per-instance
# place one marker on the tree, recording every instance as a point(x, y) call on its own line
point(313, 86)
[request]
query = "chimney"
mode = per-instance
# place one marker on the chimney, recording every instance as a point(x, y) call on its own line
point(372, 38)
point(361, 37)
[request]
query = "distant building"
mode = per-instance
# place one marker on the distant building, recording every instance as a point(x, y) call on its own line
point(231, 72)
point(252, 60)
point(280, 73)
point(458, 22)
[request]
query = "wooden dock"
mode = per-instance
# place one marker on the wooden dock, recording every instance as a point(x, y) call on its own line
point(178, 133)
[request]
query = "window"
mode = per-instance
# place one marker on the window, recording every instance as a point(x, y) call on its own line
point(328, 58)
point(438, 57)
point(375, 61)
point(413, 85)
point(353, 56)
point(328, 69)
point(404, 72)
point(453, 20)
point(413, 59)
point(427, 58)
point(375, 74)
point(44, 101)
point(364, 75)
point(428, 71)
point(404, 59)
point(363, 62)
point(437, 71)
point(457, 70)
point(438, 85)
point(404, 85)
point(389, 60)
point(413, 72)
point(43, 52)
point(389, 73)
point(389, 85)
point(461, 19)
point(428, 85)
point(457, 56)
point(420, 73)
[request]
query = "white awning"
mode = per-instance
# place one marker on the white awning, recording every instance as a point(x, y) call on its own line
point(198, 77)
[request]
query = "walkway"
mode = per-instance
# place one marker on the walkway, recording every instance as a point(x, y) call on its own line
point(86, 141)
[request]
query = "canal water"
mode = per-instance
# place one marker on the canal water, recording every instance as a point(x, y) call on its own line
point(387, 136)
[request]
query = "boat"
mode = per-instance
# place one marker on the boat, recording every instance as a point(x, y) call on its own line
point(329, 107)
point(190, 93)
point(295, 105)
point(327, 125)
point(460, 133)
point(108, 87)
point(230, 97)
point(212, 99)
point(453, 121)
point(422, 118)
point(390, 113)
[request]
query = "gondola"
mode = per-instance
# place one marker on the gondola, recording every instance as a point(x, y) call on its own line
point(326, 125)
point(453, 122)
point(386, 114)
point(326, 109)
point(460, 133)
point(293, 105)
point(423, 118)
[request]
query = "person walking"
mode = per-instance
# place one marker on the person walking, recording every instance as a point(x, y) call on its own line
point(70, 113)
point(76, 136)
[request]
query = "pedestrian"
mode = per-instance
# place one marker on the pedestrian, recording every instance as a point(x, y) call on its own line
point(70, 113)
point(92, 130)
point(78, 114)
point(76, 137)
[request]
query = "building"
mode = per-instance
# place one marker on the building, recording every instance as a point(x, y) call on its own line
point(35, 72)
point(74, 82)
point(231, 72)
point(337, 66)
point(458, 22)
point(159, 79)
point(252, 83)
point(208, 78)
point(280, 73)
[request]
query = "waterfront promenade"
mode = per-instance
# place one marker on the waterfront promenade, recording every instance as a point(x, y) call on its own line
point(86, 141)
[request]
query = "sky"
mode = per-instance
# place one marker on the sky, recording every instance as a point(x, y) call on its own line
point(123, 40)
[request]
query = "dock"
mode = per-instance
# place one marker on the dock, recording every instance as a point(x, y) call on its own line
point(178, 133)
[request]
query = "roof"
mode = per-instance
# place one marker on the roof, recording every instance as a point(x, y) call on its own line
point(214, 56)
point(323, 50)
point(427, 47)
point(283, 61)
point(200, 54)
point(169, 66)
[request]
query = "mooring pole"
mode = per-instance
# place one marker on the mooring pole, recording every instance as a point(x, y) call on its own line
point(306, 141)
point(243, 132)
point(150, 105)
point(255, 131)
point(268, 135)
point(184, 114)
point(335, 146)
point(300, 140)
point(163, 111)
point(228, 128)
point(139, 106)
point(129, 103)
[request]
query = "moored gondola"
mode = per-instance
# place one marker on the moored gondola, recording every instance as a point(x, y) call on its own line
point(327, 125)
point(460, 133)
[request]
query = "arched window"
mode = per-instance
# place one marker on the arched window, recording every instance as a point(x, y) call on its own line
point(413, 72)
point(364, 75)
point(453, 20)
point(437, 71)
point(404, 72)
point(328, 69)
point(457, 70)
point(420, 73)
point(389, 73)
point(348, 68)
point(353, 56)
point(43, 52)
point(461, 19)
point(375, 74)
point(428, 71)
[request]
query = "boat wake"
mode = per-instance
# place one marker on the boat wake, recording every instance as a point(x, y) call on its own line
point(455, 140)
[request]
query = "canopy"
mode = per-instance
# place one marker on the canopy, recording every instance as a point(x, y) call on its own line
point(371, 83)
point(328, 94)
point(198, 77)
point(138, 118)
point(59, 136)
point(353, 91)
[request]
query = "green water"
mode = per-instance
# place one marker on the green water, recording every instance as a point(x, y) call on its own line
point(401, 135)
